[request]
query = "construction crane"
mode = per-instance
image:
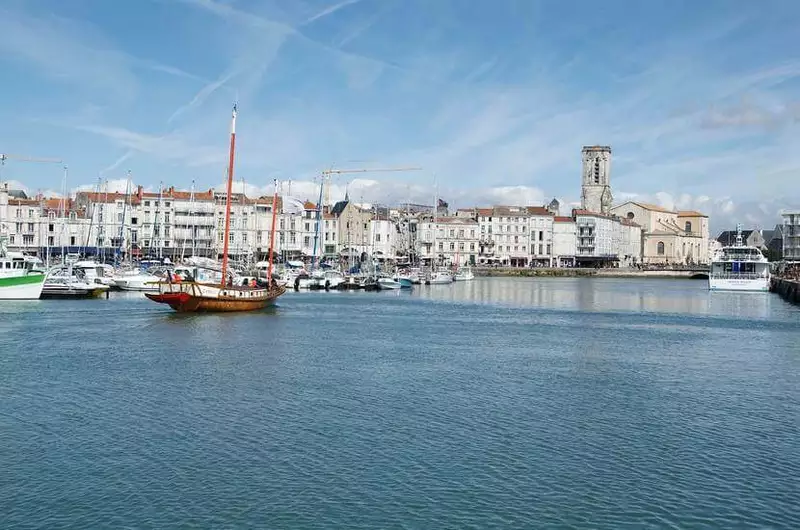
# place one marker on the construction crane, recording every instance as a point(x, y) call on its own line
point(326, 174)
point(4, 157)
point(325, 183)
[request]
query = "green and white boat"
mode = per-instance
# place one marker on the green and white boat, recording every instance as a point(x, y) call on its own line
point(21, 277)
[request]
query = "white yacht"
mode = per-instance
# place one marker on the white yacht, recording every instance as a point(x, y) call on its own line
point(440, 277)
point(464, 274)
point(96, 272)
point(137, 280)
point(739, 267)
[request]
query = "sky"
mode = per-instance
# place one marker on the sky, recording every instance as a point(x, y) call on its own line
point(493, 99)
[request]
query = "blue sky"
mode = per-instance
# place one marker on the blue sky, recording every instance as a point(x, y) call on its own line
point(494, 99)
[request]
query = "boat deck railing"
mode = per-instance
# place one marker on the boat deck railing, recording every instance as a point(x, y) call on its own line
point(738, 276)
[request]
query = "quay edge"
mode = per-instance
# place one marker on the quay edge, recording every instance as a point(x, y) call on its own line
point(788, 289)
point(558, 272)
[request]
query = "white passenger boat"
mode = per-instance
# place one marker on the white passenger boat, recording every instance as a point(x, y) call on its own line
point(739, 267)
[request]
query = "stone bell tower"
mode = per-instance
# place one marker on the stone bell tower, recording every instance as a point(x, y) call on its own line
point(596, 179)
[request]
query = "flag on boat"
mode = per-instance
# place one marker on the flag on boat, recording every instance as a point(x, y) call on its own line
point(292, 206)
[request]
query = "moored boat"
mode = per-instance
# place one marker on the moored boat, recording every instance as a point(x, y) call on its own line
point(19, 277)
point(66, 282)
point(388, 284)
point(739, 267)
point(464, 274)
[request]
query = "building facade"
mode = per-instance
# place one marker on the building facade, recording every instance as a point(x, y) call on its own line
point(596, 179)
point(669, 237)
point(791, 235)
point(449, 240)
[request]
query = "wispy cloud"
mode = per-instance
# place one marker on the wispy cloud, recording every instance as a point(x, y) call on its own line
point(169, 147)
point(204, 92)
point(330, 10)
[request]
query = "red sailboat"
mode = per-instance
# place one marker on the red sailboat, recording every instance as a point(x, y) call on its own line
point(194, 295)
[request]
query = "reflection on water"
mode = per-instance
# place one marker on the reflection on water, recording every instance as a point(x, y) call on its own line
point(606, 294)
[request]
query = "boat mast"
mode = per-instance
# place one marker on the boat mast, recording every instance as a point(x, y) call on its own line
point(228, 198)
point(272, 233)
point(122, 238)
point(316, 224)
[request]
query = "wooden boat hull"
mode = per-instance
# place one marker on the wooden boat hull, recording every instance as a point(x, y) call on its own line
point(192, 297)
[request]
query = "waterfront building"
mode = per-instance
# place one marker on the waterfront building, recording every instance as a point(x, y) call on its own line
point(564, 241)
point(669, 237)
point(598, 240)
point(353, 232)
point(791, 235)
point(540, 228)
point(383, 235)
point(456, 240)
point(20, 220)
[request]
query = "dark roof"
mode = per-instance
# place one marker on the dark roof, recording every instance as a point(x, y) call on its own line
point(17, 194)
point(767, 235)
point(339, 207)
point(728, 237)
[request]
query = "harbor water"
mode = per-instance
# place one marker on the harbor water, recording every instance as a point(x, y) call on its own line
point(496, 403)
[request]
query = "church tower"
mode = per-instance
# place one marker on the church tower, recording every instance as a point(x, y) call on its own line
point(596, 183)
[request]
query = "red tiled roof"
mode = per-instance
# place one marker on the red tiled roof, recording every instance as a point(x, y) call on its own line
point(563, 219)
point(485, 212)
point(690, 213)
point(308, 205)
point(538, 210)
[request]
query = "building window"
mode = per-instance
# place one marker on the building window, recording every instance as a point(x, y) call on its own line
point(30, 213)
point(51, 215)
point(597, 170)
point(377, 238)
point(51, 241)
point(688, 226)
point(51, 228)
point(629, 215)
point(71, 241)
point(660, 248)
point(72, 216)
point(134, 220)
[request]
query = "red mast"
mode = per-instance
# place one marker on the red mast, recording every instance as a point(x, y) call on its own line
point(272, 233)
point(228, 200)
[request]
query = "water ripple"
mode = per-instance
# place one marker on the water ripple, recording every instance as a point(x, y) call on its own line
point(404, 411)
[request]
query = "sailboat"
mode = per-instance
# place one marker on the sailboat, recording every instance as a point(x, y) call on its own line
point(193, 293)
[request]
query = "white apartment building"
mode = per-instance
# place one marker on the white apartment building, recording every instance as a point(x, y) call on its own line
point(564, 241)
point(383, 234)
point(598, 239)
point(20, 220)
point(540, 227)
point(791, 235)
point(449, 240)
